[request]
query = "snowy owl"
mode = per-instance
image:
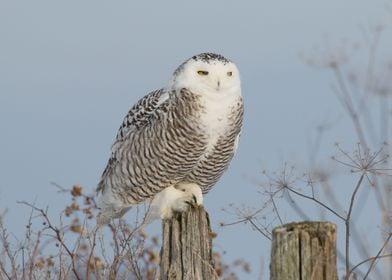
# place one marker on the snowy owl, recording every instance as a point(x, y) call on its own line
point(175, 143)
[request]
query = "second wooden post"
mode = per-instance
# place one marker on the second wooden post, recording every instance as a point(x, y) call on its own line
point(304, 251)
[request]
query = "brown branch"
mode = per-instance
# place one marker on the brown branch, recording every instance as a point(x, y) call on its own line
point(4, 271)
point(33, 255)
point(90, 257)
point(57, 233)
point(8, 253)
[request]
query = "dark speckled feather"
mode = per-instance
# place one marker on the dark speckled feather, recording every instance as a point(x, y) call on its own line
point(161, 143)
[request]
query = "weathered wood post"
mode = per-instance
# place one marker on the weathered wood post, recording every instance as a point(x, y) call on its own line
point(304, 251)
point(186, 251)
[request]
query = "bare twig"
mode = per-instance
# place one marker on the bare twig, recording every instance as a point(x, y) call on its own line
point(276, 210)
point(318, 202)
point(58, 235)
point(373, 261)
point(343, 95)
point(90, 256)
point(347, 223)
point(368, 260)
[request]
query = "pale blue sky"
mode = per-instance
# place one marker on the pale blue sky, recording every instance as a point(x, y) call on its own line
point(69, 71)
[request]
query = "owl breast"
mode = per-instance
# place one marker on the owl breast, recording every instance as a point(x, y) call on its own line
point(221, 123)
point(216, 118)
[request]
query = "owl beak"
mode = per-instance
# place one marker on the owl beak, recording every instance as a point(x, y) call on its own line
point(218, 85)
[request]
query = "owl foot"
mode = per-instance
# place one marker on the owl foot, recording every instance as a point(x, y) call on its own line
point(194, 189)
point(175, 199)
point(182, 204)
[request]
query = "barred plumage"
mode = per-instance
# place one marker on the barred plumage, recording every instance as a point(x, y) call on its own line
point(178, 139)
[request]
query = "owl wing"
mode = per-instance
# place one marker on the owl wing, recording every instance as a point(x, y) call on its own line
point(139, 115)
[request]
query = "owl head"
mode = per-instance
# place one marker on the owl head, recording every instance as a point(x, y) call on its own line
point(207, 74)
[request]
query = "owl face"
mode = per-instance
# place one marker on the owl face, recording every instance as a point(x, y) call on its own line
point(208, 74)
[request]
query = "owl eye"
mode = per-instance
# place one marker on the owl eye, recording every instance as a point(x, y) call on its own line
point(202, 73)
point(230, 74)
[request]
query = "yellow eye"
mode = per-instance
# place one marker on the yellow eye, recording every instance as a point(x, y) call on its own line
point(230, 74)
point(202, 73)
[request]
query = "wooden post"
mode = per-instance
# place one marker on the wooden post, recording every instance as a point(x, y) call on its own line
point(186, 247)
point(304, 251)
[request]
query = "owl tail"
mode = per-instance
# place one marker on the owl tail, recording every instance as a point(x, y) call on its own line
point(106, 215)
point(104, 218)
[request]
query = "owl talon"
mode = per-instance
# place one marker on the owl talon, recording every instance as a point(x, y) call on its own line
point(192, 189)
point(192, 202)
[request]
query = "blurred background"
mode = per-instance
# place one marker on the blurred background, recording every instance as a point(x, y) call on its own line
point(69, 72)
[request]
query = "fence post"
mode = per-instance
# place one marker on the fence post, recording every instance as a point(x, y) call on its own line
point(186, 251)
point(304, 251)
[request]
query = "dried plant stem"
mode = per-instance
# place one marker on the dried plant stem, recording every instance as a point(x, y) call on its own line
point(373, 261)
point(259, 229)
point(33, 255)
point(377, 257)
point(347, 102)
point(347, 223)
point(317, 201)
point(276, 210)
point(9, 254)
point(5, 272)
point(58, 235)
point(89, 259)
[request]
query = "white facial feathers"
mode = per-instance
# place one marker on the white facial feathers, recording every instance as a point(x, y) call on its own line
point(207, 74)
